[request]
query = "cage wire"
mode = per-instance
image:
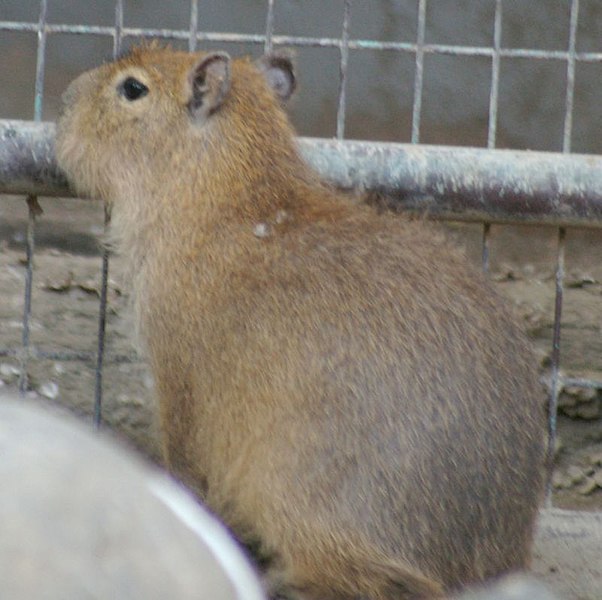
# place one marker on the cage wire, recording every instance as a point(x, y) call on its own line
point(589, 211)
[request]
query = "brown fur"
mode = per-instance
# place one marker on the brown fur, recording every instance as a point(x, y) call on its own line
point(337, 385)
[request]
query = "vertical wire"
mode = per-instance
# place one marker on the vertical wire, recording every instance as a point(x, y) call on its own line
point(492, 125)
point(102, 322)
point(102, 313)
point(555, 376)
point(33, 208)
point(566, 148)
point(117, 38)
point(344, 47)
point(40, 61)
point(269, 27)
point(418, 77)
point(25, 341)
point(570, 78)
point(495, 76)
point(194, 24)
point(486, 247)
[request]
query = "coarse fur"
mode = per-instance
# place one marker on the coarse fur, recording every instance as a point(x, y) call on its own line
point(336, 384)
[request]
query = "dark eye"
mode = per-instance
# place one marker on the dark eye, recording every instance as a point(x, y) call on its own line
point(132, 89)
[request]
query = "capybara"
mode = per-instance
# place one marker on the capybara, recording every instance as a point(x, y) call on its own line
point(339, 386)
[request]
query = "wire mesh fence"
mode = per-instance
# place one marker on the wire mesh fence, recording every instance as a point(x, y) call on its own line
point(485, 185)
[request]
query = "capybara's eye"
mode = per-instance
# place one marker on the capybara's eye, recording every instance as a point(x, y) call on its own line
point(132, 89)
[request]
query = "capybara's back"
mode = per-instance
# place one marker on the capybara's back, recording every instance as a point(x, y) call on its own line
point(392, 398)
point(352, 399)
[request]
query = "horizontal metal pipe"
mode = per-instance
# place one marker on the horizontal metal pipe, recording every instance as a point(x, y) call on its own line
point(468, 184)
point(445, 182)
point(27, 163)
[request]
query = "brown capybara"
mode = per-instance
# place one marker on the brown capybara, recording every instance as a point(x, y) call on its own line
point(338, 386)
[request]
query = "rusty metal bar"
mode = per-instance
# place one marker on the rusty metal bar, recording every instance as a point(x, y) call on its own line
point(468, 184)
point(446, 182)
point(27, 163)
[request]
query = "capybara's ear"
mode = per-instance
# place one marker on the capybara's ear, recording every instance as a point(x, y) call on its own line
point(279, 71)
point(209, 81)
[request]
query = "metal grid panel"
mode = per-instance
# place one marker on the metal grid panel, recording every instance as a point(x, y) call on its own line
point(419, 49)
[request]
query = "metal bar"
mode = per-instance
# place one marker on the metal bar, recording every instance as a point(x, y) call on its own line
point(102, 321)
point(269, 27)
point(446, 182)
point(570, 77)
point(495, 75)
point(419, 73)
point(40, 61)
point(70, 355)
point(104, 285)
point(32, 203)
point(467, 184)
point(27, 164)
point(287, 40)
point(25, 341)
point(555, 359)
point(344, 53)
point(492, 124)
point(194, 25)
point(486, 247)
point(118, 31)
